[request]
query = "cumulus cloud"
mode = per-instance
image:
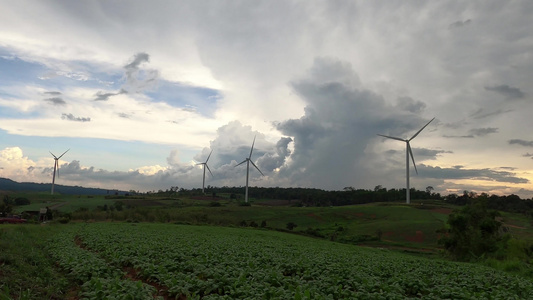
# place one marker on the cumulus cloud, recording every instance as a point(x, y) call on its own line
point(71, 117)
point(340, 120)
point(56, 101)
point(507, 91)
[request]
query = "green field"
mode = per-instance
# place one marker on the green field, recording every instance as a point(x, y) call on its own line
point(143, 261)
point(246, 252)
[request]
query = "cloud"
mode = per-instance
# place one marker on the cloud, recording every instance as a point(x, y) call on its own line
point(54, 93)
point(528, 155)
point(482, 113)
point(459, 23)
point(138, 79)
point(71, 117)
point(124, 115)
point(427, 153)
point(55, 101)
point(105, 96)
point(483, 131)
point(521, 142)
point(475, 132)
point(507, 91)
point(272, 161)
point(341, 119)
point(410, 105)
point(458, 172)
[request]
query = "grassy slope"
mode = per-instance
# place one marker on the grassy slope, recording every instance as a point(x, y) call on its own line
point(411, 226)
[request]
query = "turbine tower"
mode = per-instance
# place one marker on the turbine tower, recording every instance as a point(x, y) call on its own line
point(248, 161)
point(56, 167)
point(204, 164)
point(408, 153)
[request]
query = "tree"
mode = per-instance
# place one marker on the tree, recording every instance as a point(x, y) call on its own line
point(429, 189)
point(473, 232)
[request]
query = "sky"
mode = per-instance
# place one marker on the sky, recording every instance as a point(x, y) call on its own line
point(143, 91)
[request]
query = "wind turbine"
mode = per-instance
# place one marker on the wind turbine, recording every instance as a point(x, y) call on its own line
point(56, 167)
point(204, 164)
point(248, 161)
point(408, 152)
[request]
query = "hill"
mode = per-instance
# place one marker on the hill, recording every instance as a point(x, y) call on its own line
point(13, 186)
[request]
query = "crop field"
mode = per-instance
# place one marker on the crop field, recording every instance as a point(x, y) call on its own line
point(143, 261)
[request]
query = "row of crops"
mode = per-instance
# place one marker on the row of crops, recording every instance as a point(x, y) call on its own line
point(230, 263)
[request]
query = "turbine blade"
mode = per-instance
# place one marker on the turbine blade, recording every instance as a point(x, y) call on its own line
point(209, 156)
point(257, 168)
point(391, 137)
point(209, 170)
point(199, 164)
point(63, 154)
point(412, 157)
point(57, 168)
point(52, 154)
point(242, 162)
point(421, 129)
point(252, 148)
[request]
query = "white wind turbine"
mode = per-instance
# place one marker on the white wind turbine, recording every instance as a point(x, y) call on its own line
point(204, 164)
point(56, 167)
point(408, 152)
point(248, 161)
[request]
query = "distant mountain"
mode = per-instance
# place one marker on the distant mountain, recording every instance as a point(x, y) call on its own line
point(10, 185)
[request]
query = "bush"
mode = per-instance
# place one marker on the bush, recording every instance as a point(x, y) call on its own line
point(22, 201)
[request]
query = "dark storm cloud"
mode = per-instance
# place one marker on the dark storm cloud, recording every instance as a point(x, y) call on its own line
point(56, 101)
point(105, 96)
point(340, 120)
point(71, 117)
point(528, 155)
point(269, 162)
point(507, 91)
point(458, 172)
point(410, 105)
point(521, 142)
point(136, 78)
point(460, 24)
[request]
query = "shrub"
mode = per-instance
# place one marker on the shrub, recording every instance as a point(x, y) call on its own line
point(22, 201)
